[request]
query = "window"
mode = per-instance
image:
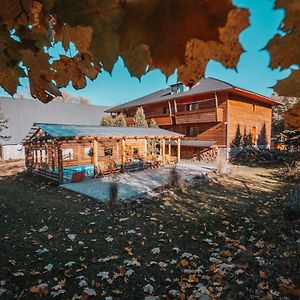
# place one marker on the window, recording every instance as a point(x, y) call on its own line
point(135, 151)
point(67, 154)
point(192, 106)
point(108, 151)
point(253, 107)
point(192, 131)
point(166, 110)
point(88, 152)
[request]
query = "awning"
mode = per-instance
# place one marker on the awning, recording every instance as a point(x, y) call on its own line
point(193, 143)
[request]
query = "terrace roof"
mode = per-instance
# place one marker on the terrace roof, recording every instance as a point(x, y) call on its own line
point(63, 130)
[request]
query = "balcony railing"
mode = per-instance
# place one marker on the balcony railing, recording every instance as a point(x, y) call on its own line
point(185, 117)
point(200, 116)
point(160, 120)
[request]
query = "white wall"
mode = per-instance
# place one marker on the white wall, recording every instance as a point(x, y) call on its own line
point(12, 152)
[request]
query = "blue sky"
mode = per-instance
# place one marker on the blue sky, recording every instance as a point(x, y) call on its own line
point(252, 71)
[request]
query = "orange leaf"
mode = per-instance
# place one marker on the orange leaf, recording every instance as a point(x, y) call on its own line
point(34, 290)
point(184, 262)
point(262, 274)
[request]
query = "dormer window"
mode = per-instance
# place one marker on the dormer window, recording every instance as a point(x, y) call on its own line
point(177, 88)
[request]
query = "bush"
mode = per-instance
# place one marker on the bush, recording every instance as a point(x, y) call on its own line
point(292, 204)
point(113, 192)
point(174, 177)
point(292, 172)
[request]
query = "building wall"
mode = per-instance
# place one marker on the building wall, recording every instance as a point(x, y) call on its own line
point(207, 131)
point(245, 117)
point(12, 152)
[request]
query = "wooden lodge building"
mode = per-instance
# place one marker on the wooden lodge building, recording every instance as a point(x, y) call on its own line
point(59, 152)
point(212, 114)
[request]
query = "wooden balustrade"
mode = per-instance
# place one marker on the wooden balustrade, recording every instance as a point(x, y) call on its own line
point(200, 116)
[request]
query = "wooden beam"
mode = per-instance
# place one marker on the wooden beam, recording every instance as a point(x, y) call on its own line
point(217, 106)
point(178, 149)
point(60, 165)
point(95, 154)
point(123, 154)
point(53, 154)
point(163, 153)
point(36, 153)
point(175, 106)
point(170, 108)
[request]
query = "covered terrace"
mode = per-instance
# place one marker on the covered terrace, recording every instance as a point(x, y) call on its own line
point(60, 152)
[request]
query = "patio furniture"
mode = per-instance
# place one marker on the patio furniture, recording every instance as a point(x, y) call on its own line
point(171, 160)
point(107, 168)
point(135, 165)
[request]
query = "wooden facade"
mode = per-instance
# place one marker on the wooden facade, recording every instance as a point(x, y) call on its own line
point(229, 118)
point(58, 157)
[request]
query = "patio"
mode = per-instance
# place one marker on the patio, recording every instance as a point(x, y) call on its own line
point(133, 184)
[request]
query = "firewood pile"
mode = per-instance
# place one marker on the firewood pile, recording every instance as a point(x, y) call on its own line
point(256, 155)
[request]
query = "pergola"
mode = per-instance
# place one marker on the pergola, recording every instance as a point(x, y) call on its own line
point(52, 150)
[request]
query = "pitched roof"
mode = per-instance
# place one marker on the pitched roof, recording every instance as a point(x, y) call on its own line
point(23, 113)
point(63, 130)
point(204, 86)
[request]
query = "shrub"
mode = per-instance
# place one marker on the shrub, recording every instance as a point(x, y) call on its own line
point(292, 172)
point(113, 192)
point(292, 204)
point(174, 177)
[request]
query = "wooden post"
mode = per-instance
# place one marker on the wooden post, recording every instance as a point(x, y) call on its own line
point(46, 154)
point(53, 155)
point(41, 153)
point(60, 165)
point(36, 154)
point(178, 149)
point(26, 154)
point(170, 109)
point(95, 154)
point(123, 154)
point(163, 153)
point(146, 148)
point(170, 152)
point(217, 107)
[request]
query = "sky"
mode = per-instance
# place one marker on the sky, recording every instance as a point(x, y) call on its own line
point(252, 72)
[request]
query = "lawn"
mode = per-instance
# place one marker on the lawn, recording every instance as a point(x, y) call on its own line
point(225, 239)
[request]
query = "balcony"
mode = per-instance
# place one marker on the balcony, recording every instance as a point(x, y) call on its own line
point(160, 120)
point(200, 116)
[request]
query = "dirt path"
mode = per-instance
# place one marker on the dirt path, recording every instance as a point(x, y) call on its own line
point(226, 239)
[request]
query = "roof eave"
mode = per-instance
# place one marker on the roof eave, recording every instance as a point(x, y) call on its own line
point(176, 96)
point(255, 96)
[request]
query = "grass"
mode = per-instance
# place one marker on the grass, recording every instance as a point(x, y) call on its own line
point(174, 243)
